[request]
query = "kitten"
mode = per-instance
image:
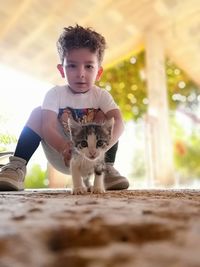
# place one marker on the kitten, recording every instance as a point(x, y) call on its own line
point(90, 143)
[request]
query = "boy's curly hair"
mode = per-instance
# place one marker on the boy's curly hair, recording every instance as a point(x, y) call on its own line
point(80, 37)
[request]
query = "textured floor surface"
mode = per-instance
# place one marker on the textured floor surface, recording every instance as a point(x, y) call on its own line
point(140, 228)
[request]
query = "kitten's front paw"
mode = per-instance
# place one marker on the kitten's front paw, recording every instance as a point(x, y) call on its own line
point(97, 190)
point(79, 190)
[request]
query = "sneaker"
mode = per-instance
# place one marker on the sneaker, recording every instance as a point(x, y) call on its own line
point(12, 175)
point(113, 180)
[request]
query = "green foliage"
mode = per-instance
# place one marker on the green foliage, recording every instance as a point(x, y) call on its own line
point(6, 139)
point(126, 81)
point(187, 152)
point(36, 178)
point(181, 90)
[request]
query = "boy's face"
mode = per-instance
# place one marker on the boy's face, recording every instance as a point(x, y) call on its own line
point(81, 69)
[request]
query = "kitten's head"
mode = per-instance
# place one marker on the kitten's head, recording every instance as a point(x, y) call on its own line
point(91, 140)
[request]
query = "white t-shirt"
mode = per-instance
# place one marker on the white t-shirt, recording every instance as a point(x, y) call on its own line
point(81, 107)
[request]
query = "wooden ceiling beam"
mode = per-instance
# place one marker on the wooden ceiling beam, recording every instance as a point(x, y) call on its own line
point(20, 8)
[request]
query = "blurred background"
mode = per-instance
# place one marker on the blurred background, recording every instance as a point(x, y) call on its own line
point(151, 67)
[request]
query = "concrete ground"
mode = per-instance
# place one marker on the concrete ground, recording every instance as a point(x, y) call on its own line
point(140, 228)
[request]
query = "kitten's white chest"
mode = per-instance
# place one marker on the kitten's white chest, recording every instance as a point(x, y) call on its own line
point(84, 166)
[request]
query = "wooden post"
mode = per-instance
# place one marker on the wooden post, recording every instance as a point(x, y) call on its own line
point(160, 152)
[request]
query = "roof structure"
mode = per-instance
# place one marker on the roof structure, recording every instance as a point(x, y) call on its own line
point(30, 28)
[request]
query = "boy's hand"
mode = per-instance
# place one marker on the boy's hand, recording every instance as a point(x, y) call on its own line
point(67, 153)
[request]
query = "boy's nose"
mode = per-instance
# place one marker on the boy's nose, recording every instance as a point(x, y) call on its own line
point(81, 73)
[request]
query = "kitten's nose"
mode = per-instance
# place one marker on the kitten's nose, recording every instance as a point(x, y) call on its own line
point(93, 154)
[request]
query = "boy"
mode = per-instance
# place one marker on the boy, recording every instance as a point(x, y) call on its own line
point(81, 53)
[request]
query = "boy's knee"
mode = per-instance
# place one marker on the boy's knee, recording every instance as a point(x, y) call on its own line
point(35, 120)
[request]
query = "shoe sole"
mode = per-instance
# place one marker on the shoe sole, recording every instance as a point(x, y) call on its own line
point(118, 186)
point(6, 186)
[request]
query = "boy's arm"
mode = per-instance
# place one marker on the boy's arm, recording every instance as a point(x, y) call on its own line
point(52, 136)
point(118, 125)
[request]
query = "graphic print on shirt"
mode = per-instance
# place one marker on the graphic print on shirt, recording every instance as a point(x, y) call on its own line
point(82, 116)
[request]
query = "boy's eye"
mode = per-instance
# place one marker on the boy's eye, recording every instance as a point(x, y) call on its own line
point(84, 143)
point(89, 66)
point(70, 65)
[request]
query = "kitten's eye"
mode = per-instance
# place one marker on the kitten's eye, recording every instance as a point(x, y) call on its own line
point(84, 143)
point(99, 143)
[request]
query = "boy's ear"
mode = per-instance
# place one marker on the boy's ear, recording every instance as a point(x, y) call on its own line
point(100, 72)
point(61, 70)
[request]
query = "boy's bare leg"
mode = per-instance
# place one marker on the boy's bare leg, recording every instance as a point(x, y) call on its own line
point(34, 121)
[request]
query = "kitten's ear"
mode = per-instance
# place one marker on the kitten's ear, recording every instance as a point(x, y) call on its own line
point(109, 124)
point(72, 123)
point(73, 126)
